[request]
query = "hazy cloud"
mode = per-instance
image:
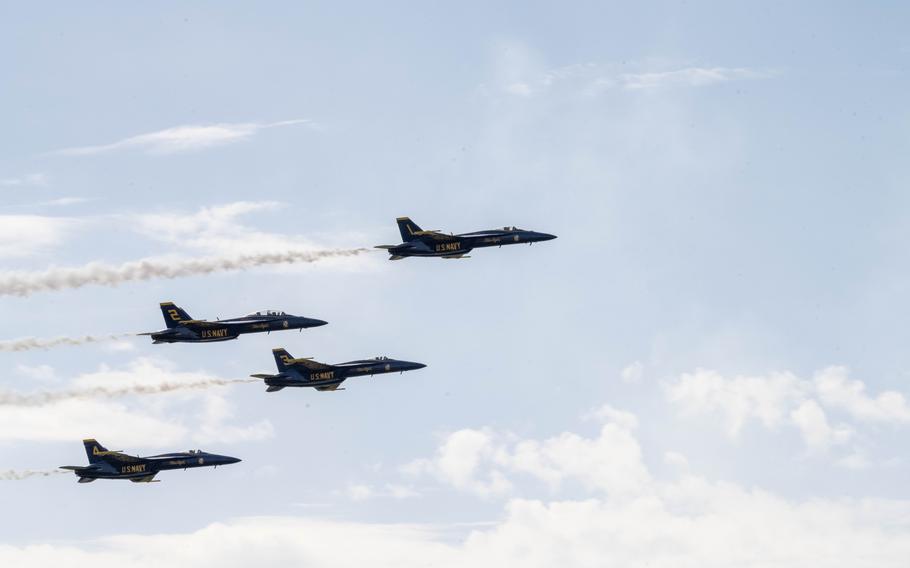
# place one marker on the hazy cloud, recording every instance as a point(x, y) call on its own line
point(25, 180)
point(180, 139)
point(25, 235)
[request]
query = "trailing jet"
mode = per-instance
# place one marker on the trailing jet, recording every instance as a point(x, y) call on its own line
point(417, 242)
point(182, 328)
point(308, 373)
point(107, 464)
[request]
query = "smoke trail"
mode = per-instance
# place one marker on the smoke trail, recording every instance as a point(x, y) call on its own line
point(26, 283)
point(10, 398)
point(30, 343)
point(18, 475)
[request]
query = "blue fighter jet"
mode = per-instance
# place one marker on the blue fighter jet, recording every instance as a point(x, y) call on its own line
point(107, 464)
point(308, 373)
point(417, 242)
point(182, 328)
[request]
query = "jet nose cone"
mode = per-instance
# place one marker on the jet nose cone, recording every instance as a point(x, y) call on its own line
point(311, 322)
point(230, 460)
point(545, 237)
point(415, 366)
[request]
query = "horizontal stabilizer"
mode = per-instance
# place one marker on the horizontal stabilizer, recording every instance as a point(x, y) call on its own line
point(386, 247)
point(92, 467)
point(274, 388)
point(264, 376)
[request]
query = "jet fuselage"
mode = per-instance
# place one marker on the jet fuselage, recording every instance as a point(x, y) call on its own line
point(323, 376)
point(106, 464)
point(418, 242)
point(183, 329)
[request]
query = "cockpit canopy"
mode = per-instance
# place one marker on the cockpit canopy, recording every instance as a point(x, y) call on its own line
point(194, 452)
point(267, 313)
point(381, 358)
point(513, 228)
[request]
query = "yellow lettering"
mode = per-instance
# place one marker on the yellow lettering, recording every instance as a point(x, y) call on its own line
point(446, 247)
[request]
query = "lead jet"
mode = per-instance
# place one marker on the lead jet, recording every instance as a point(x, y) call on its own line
point(107, 464)
point(182, 328)
point(308, 373)
point(417, 242)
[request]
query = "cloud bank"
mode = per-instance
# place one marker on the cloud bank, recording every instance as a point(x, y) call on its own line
point(627, 517)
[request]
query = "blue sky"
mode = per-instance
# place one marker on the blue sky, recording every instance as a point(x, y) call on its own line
point(708, 367)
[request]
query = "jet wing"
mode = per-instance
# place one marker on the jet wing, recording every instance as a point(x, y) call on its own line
point(202, 323)
point(310, 364)
point(330, 387)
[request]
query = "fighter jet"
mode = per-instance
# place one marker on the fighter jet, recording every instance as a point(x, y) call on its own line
point(308, 373)
point(182, 328)
point(418, 242)
point(107, 464)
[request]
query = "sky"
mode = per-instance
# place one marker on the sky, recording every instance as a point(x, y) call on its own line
point(706, 368)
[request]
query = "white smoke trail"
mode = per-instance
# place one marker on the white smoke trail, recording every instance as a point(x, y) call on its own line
point(26, 283)
point(10, 398)
point(30, 343)
point(18, 475)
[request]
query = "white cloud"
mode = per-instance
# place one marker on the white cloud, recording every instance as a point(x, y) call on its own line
point(26, 180)
point(765, 398)
point(607, 413)
point(686, 522)
point(783, 398)
point(459, 460)
point(363, 492)
point(43, 373)
point(687, 77)
point(477, 461)
point(218, 229)
point(676, 459)
point(813, 425)
point(836, 390)
point(180, 139)
point(633, 372)
point(26, 235)
point(62, 201)
point(523, 79)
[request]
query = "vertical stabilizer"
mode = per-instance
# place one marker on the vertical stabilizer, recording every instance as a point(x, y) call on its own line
point(282, 358)
point(94, 451)
point(173, 315)
point(408, 229)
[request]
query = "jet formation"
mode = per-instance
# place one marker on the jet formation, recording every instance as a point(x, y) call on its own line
point(181, 328)
point(107, 464)
point(417, 242)
point(306, 372)
point(302, 372)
